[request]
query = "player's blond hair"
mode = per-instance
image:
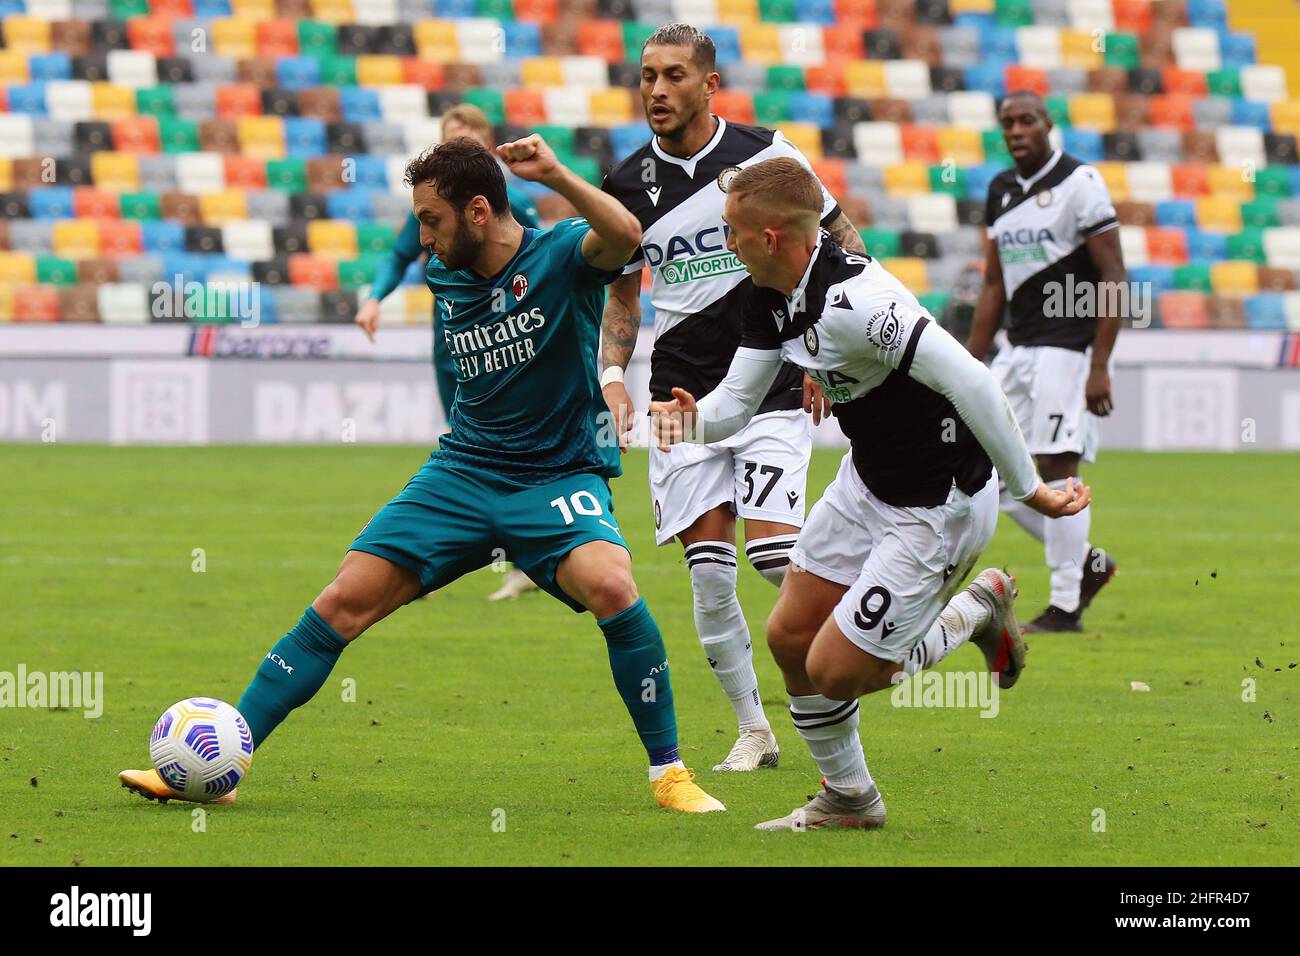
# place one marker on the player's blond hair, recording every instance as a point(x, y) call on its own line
point(784, 187)
point(469, 115)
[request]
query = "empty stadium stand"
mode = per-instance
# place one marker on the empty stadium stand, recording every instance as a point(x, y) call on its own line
point(239, 140)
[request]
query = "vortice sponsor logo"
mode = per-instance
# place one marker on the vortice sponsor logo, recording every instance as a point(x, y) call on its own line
point(700, 267)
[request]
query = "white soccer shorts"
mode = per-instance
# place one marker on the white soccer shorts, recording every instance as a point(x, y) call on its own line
point(761, 471)
point(901, 565)
point(1045, 386)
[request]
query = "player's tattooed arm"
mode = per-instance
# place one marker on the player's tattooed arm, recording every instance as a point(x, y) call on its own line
point(618, 332)
point(621, 322)
point(845, 233)
point(990, 305)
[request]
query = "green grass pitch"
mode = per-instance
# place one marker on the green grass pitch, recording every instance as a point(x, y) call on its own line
point(465, 709)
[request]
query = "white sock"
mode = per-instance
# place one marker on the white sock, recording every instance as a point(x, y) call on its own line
point(1022, 514)
point(771, 556)
point(959, 619)
point(658, 770)
point(722, 629)
point(830, 729)
point(1067, 548)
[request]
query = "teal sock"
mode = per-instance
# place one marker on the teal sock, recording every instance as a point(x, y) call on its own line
point(640, 665)
point(290, 674)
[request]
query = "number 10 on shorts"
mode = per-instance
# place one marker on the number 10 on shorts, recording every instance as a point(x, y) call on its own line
point(581, 502)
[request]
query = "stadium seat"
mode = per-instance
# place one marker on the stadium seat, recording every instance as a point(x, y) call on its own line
point(1183, 310)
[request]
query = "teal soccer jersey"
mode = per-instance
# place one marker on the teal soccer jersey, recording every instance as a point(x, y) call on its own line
point(524, 346)
point(523, 473)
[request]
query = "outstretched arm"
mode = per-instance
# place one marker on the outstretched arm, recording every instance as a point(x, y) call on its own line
point(942, 364)
point(725, 410)
point(406, 249)
point(615, 232)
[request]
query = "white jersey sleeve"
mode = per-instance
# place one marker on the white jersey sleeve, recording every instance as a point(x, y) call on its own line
point(939, 362)
point(892, 321)
point(1094, 213)
point(730, 406)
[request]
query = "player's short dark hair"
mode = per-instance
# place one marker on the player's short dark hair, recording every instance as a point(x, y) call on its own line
point(461, 169)
point(703, 52)
point(1025, 95)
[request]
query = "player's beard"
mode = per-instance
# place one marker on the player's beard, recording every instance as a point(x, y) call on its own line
point(684, 121)
point(463, 250)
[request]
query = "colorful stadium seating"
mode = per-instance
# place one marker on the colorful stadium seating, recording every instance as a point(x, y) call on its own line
point(142, 140)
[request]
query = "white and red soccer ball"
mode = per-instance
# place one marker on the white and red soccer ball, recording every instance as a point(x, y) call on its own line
point(201, 747)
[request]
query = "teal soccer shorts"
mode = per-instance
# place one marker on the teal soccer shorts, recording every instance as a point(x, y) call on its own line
point(450, 520)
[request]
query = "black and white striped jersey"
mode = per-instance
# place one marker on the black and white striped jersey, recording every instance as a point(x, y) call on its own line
point(1041, 226)
point(698, 287)
point(855, 328)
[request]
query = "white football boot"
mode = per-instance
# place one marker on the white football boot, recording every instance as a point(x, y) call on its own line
point(515, 584)
point(831, 809)
point(752, 749)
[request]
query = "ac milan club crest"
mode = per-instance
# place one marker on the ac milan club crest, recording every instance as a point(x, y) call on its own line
point(519, 286)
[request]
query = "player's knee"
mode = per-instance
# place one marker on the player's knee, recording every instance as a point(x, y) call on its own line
point(339, 606)
point(347, 607)
point(611, 592)
point(713, 585)
point(831, 679)
point(787, 638)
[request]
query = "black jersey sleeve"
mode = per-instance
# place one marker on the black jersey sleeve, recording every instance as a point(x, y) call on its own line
point(759, 315)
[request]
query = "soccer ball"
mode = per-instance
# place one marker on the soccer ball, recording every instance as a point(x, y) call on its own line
point(201, 747)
